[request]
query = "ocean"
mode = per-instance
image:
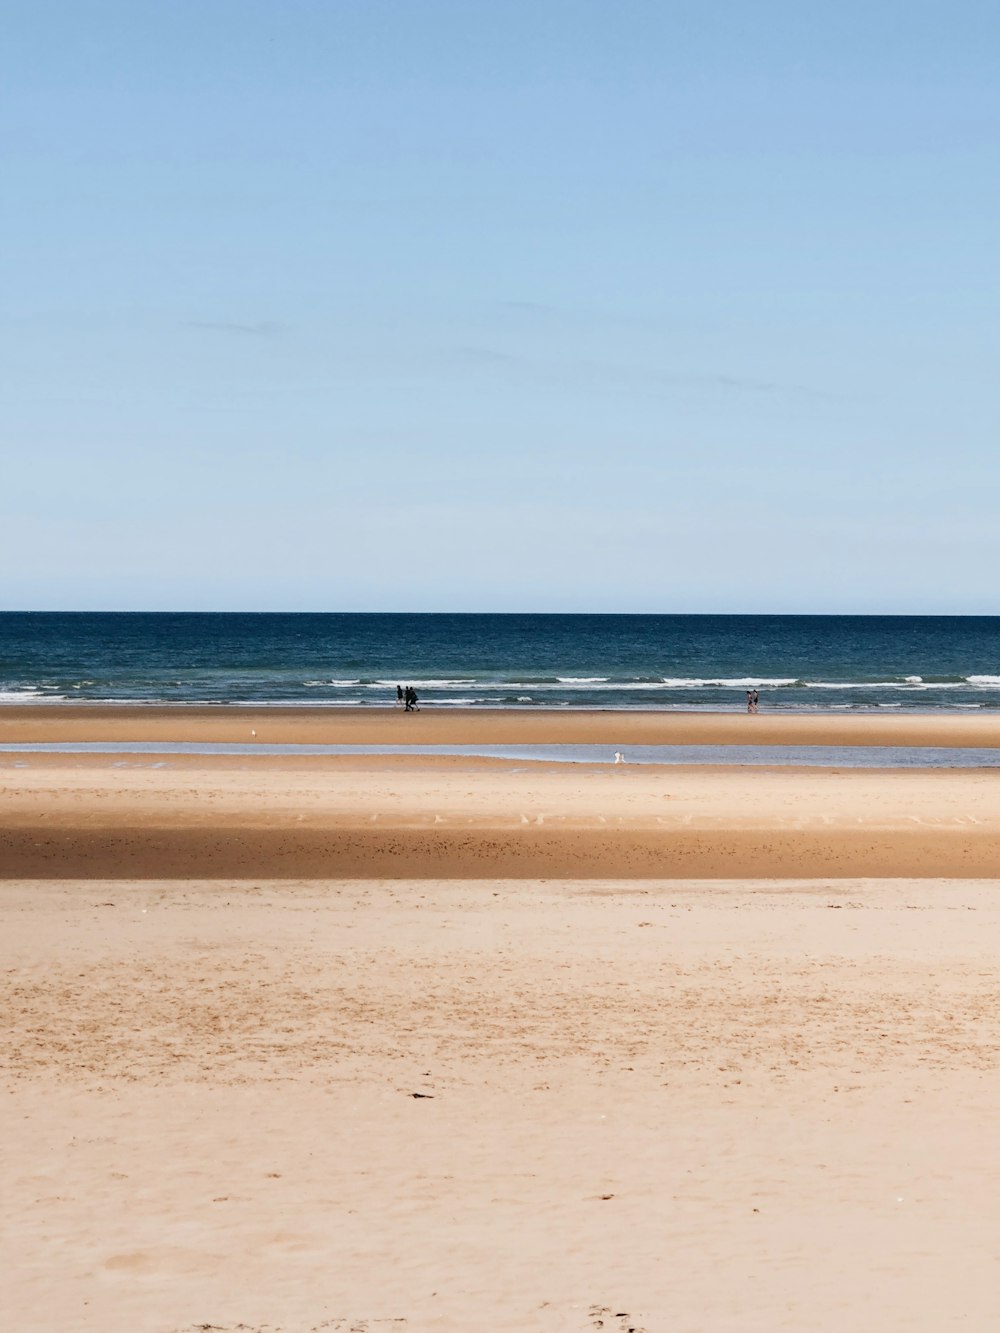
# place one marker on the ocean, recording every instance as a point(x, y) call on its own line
point(797, 663)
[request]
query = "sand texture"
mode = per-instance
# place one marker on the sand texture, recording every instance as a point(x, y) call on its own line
point(439, 1045)
point(651, 1106)
point(461, 818)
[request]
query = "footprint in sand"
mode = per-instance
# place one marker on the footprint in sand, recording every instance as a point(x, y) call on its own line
point(615, 1321)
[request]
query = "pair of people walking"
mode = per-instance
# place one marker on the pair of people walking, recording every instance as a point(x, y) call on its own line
point(753, 699)
point(408, 698)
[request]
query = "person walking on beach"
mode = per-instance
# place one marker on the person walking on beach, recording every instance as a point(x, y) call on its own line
point(755, 699)
point(399, 695)
point(749, 701)
point(410, 697)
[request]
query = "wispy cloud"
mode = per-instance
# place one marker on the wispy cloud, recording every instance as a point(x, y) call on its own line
point(578, 317)
point(608, 374)
point(265, 328)
point(488, 356)
point(720, 380)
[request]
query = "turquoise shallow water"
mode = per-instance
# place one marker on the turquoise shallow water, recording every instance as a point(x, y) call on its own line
point(803, 756)
point(798, 663)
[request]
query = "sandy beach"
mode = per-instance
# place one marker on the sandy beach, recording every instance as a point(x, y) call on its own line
point(444, 1044)
point(485, 726)
point(358, 816)
point(391, 817)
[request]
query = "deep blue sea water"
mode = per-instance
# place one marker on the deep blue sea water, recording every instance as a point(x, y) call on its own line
point(504, 661)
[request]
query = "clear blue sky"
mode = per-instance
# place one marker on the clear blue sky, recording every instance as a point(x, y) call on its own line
point(544, 306)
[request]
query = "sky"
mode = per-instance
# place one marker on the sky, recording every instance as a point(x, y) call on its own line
point(416, 305)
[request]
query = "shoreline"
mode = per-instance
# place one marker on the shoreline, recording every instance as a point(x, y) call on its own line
point(283, 724)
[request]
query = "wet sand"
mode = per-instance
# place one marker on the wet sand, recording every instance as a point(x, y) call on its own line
point(465, 726)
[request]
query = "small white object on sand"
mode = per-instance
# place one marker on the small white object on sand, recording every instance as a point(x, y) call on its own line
point(619, 757)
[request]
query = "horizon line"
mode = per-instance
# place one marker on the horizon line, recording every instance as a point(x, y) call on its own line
point(246, 611)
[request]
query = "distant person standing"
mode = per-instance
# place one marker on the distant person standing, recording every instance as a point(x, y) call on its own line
point(749, 701)
point(755, 699)
point(399, 695)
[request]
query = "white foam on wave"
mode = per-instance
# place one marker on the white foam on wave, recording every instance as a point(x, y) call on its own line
point(579, 687)
point(605, 684)
point(728, 682)
point(463, 703)
point(29, 696)
point(572, 684)
point(664, 683)
point(908, 684)
point(448, 683)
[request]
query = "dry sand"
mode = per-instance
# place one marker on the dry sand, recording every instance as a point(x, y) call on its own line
point(722, 1106)
point(654, 1100)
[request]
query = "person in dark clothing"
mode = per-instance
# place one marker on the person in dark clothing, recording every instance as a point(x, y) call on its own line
point(399, 695)
point(410, 696)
